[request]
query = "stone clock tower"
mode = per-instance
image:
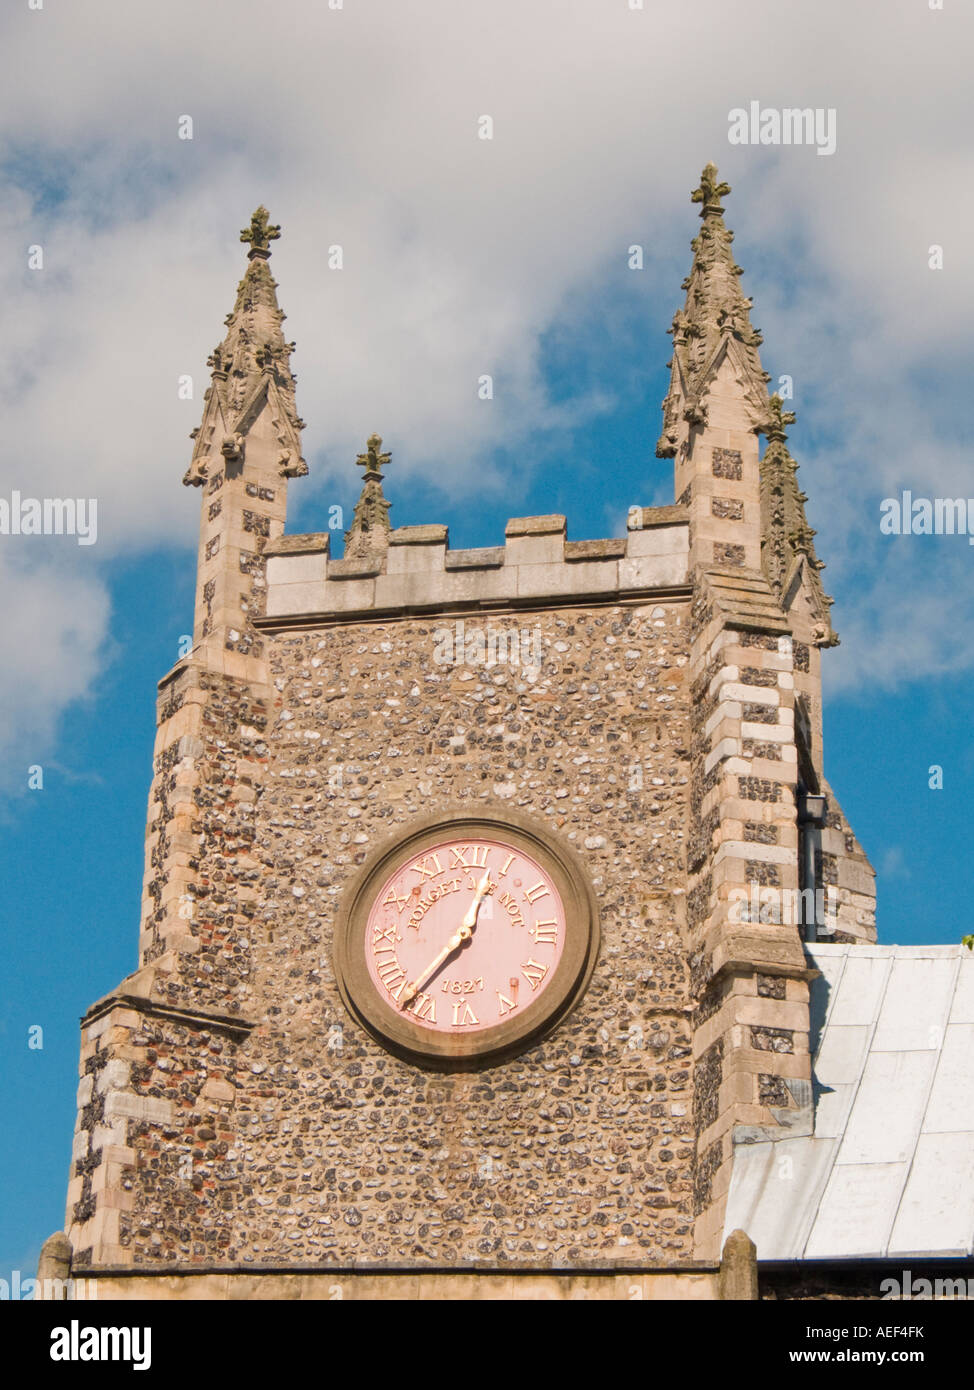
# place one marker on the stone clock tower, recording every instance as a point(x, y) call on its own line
point(460, 973)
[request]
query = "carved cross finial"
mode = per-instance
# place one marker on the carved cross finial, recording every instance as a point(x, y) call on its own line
point(779, 419)
point(710, 191)
point(368, 536)
point(261, 231)
point(373, 462)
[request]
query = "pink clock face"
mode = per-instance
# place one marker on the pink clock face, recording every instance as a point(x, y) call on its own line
point(465, 935)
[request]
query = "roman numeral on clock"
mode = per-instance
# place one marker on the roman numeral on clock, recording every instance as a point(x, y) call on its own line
point(477, 856)
point(546, 933)
point(534, 972)
point(468, 1015)
point(380, 934)
point(422, 867)
point(424, 1007)
point(507, 1005)
point(538, 891)
point(392, 975)
point(393, 899)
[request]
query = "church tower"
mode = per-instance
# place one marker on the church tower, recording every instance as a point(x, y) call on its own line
point(468, 955)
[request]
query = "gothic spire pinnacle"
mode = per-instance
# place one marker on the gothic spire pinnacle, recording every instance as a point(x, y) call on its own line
point(713, 323)
point(369, 531)
point(710, 191)
point(372, 461)
point(260, 232)
point(251, 367)
point(778, 418)
point(786, 537)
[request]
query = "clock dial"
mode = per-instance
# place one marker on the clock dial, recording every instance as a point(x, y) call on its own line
point(465, 937)
point(465, 933)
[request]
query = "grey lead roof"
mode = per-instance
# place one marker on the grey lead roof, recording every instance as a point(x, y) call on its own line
point(889, 1170)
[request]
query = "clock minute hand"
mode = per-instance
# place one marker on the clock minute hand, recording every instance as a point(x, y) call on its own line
point(462, 934)
point(471, 918)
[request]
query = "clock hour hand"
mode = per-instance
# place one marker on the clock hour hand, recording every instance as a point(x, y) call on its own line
point(463, 933)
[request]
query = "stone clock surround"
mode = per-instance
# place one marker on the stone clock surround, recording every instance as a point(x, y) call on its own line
point(570, 977)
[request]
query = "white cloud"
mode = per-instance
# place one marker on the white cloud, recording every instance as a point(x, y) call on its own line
point(53, 634)
point(894, 864)
point(358, 127)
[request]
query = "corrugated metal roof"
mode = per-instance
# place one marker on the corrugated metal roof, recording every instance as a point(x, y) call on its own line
point(889, 1168)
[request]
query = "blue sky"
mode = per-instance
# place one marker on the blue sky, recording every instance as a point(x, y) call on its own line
point(458, 259)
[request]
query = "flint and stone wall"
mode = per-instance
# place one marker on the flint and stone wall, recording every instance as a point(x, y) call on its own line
point(250, 1119)
point(232, 1115)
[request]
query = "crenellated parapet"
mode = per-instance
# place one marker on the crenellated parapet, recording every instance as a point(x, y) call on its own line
point(419, 572)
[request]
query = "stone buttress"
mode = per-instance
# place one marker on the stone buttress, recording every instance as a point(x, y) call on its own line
point(178, 1018)
point(760, 620)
